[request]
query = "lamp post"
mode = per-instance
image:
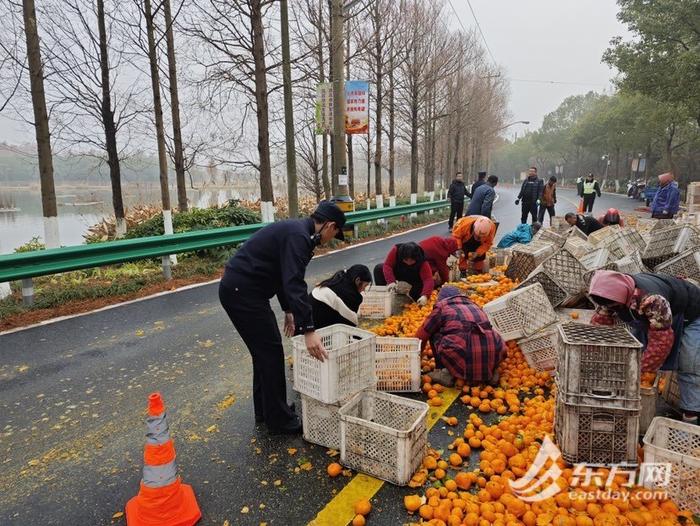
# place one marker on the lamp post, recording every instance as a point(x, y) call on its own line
point(511, 124)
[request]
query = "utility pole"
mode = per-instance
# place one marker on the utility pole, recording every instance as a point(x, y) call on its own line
point(292, 192)
point(339, 164)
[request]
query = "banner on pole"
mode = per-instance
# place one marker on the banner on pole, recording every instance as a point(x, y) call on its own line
point(356, 107)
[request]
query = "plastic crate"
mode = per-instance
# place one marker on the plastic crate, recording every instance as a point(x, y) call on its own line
point(671, 392)
point(599, 235)
point(321, 422)
point(554, 292)
point(685, 265)
point(577, 232)
point(559, 225)
point(595, 259)
point(398, 364)
point(521, 312)
point(578, 247)
point(349, 368)
point(596, 435)
point(526, 258)
point(598, 365)
point(383, 435)
point(583, 315)
point(631, 264)
point(676, 444)
point(623, 242)
point(588, 276)
point(648, 411)
point(567, 271)
point(547, 235)
point(376, 303)
point(540, 349)
point(665, 244)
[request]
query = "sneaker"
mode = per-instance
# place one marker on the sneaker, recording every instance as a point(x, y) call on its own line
point(690, 419)
point(294, 427)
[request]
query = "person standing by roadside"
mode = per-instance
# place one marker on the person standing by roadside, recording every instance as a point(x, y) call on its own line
point(456, 194)
point(483, 198)
point(480, 180)
point(549, 199)
point(667, 199)
point(591, 188)
point(530, 195)
point(273, 263)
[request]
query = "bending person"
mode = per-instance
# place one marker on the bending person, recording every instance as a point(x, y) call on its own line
point(437, 249)
point(406, 262)
point(474, 235)
point(338, 298)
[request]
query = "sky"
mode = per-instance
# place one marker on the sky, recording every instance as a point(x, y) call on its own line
point(552, 40)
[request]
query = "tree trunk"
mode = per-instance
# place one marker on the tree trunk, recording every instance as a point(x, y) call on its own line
point(414, 142)
point(110, 126)
point(175, 110)
point(351, 160)
point(322, 78)
point(157, 108)
point(669, 151)
point(41, 126)
point(292, 192)
point(378, 48)
point(266, 194)
point(457, 146)
point(392, 122)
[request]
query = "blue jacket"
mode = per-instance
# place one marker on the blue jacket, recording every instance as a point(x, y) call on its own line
point(273, 262)
point(482, 201)
point(522, 234)
point(667, 199)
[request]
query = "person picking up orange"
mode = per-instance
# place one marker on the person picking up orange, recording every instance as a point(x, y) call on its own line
point(474, 235)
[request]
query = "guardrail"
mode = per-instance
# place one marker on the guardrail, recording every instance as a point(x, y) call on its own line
point(28, 265)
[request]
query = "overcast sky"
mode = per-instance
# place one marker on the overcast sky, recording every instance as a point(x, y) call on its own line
point(551, 40)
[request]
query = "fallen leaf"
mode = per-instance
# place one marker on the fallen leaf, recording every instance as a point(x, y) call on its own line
point(277, 483)
point(306, 466)
point(262, 506)
point(213, 429)
point(140, 332)
point(33, 462)
point(206, 344)
point(226, 402)
point(118, 515)
point(347, 473)
point(226, 523)
point(292, 451)
point(332, 452)
point(245, 509)
point(23, 368)
point(263, 482)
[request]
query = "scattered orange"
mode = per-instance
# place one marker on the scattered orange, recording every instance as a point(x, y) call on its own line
point(334, 469)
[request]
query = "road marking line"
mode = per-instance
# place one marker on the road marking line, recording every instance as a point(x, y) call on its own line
point(339, 510)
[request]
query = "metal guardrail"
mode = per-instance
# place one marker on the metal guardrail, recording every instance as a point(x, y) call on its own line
point(53, 261)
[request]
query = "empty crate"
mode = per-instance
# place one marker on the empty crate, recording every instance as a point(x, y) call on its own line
point(521, 312)
point(525, 258)
point(321, 422)
point(631, 264)
point(349, 368)
point(398, 364)
point(595, 259)
point(667, 243)
point(540, 349)
point(577, 246)
point(548, 235)
point(566, 270)
point(554, 292)
point(599, 235)
point(598, 365)
point(685, 265)
point(383, 435)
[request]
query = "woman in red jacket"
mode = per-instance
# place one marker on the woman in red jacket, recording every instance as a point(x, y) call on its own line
point(406, 262)
point(437, 249)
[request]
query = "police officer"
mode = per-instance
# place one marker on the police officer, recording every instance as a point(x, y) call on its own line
point(273, 262)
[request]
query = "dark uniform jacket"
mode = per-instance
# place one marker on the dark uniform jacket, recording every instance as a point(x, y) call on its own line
point(273, 262)
point(531, 190)
point(587, 224)
point(457, 191)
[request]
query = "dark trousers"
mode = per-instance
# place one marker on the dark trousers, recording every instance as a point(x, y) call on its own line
point(456, 209)
point(528, 209)
point(256, 323)
point(415, 281)
point(661, 215)
point(588, 200)
point(549, 209)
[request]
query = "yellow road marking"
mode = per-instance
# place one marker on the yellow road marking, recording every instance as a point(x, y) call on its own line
point(339, 511)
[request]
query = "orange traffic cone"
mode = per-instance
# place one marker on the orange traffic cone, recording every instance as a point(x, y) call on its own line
point(163, 500)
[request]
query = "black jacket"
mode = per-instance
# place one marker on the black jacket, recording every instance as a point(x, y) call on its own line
point(587, 224)
point(683, 296)
point(531, 190)
point(476, 185)
point(457, 191)
point(482, 201)
point(273, 262)
point(324, 315)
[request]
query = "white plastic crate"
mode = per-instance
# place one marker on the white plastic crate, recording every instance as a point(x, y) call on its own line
point(525, 258)
point(685, 265)
point(383, 435)
point(540, 349)
point(671, 392)
point(567, 271)
point(398, 364)
point(376, 303)
point(548, 235)
point(599, 235)
point(631, 264)
point(595, 259)
point(521, 312)
point(321, 422)
point(578, 247)
point(676, 443)
point(349, 368)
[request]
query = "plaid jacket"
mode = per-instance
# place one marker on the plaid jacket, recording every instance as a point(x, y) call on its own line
point(462, 339)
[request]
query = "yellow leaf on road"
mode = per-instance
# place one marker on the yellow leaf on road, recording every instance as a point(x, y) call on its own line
point(118, 515)
point(245, 509)
point(306, 466)
point(213, 429)
point(292, 451)
point(140, 332)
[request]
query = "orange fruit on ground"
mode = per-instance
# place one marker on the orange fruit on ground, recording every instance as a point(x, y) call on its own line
point(440, 473)
point(429, 462)
point(463, 481)
point(363, 507)
point(359, 520)
point(435, 402)
point(426, 512)
point(475, 442)
point(456, 460)
point(412, 502)
point(574, 315)
point(451, 486)
point(464, 450)
point(334, 469)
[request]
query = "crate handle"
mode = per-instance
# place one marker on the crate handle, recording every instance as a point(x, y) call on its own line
point(602, 422)
point(596, 393)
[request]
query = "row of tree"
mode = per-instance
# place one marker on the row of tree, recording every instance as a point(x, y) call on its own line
point(103, 79)
point(655, 115)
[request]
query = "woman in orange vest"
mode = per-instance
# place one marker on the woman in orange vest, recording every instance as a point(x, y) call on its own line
point(474, 235)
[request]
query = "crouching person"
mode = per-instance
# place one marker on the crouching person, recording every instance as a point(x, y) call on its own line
point(406, 263)
point(464, 344)
point(338, 299)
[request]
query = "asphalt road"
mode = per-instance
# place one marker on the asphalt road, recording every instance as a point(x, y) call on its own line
point(73, 397)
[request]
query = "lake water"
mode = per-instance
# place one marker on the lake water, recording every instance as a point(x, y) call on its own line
point(81, 207)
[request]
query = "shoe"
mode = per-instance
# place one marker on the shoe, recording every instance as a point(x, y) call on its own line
point(259, 419)
point(442, 377)
point(292, 428)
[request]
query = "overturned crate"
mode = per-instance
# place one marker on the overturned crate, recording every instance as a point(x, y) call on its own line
point(541, 349)
point(525, 258)
point(599, 235)
point(577, 232)
point(554, 292)
point(577, 246)
point(549, 235)
point(631, 264)
point(383, 435)
point(685, 265)
point(670, 242)
point(521, 312)
point(623, 242)
point(595, 259)
point(566, 270)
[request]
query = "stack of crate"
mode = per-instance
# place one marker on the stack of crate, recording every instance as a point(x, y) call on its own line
point(667, 243)
point(598, 394)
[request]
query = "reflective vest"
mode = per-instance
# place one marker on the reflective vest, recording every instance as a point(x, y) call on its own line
point(588, 187)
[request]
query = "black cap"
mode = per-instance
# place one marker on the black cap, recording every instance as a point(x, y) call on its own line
point(330, 212)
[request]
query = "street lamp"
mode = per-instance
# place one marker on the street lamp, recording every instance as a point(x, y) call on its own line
point(511, 124)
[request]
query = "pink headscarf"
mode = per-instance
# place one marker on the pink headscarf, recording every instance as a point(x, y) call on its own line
point(666, 178)
point(613, 286)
